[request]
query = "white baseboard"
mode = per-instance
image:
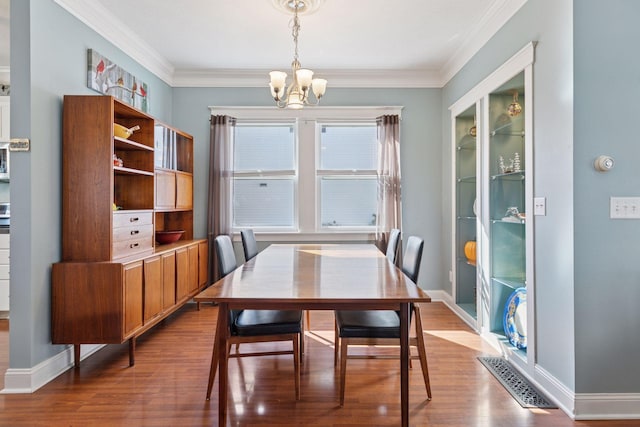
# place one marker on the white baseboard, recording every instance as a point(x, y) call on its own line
point(607, 406)
point(28, 380)
point(578, 406)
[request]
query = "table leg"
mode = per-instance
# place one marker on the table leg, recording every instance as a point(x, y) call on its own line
point(222, 338)
point(215, 355)
point(404, 363)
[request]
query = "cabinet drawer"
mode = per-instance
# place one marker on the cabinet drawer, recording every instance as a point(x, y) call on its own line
point(135, 232)
point(4, 272)
point(129, 218)
point(125, 248)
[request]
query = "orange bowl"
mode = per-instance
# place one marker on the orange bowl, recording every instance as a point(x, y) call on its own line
point(165, 237)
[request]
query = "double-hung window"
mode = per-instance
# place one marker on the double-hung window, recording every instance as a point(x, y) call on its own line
point(347, 156)
point(313, 173)
point(265, 176)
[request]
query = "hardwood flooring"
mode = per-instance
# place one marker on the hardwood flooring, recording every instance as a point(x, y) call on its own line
point(167, 385)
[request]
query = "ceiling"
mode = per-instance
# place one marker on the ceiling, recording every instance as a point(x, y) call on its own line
point(412, 43)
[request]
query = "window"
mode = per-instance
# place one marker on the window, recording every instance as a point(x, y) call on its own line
point(347, 157)
point(264, 164)
point(309, 172)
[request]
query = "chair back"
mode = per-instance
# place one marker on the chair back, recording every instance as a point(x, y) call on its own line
point(226, 256)
point(249, 244)
point(412, 257)
point(392, 246)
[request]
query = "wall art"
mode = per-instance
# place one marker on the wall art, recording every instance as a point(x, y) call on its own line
point(108, 78)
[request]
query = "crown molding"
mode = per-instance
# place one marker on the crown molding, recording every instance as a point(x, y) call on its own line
point(99, 19)
point(486, 27)
point(103, 22)
point(336, 78)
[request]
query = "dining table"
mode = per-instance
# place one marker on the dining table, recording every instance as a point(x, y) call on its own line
point(312, 277)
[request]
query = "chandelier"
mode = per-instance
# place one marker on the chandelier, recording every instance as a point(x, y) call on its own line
point(297, 95)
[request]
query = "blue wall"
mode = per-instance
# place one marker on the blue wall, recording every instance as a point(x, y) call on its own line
point(607, 274)
point(420, 152)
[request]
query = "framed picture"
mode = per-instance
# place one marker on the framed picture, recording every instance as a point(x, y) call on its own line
point(108, 78)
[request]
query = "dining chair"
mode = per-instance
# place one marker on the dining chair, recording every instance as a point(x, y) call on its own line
point(381, 327)
point(392, 245)
point(253, 326)
point(249, 244)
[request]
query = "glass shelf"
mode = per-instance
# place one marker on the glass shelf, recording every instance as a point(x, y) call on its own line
point(471, 179)
point(513, 176)
point(505, 221)
point(467, 144)
point(506, 130)
point(467, 218)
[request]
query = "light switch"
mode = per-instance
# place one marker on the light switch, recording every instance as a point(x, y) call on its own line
point(624, 208)
point(540, 206)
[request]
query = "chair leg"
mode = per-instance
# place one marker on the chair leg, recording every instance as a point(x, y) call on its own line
point(422, 352)
point(344, 343)
point(296, 363)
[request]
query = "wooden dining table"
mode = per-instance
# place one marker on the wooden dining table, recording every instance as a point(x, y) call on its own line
point(314, 277)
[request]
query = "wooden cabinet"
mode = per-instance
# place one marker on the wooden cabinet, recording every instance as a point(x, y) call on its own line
point(153, 287)
point(182, 274)
point(169, 280)
point(193, 268)
point(132, 295)
point(93, 182)
point(174, 179)
point(203, 272)
point(114, 283)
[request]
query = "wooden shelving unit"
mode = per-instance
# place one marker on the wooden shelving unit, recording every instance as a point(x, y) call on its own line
point(114, 283)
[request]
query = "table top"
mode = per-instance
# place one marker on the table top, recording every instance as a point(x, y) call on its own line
point(316, 275)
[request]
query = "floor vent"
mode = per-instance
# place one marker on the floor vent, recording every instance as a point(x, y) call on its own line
point(519, 387)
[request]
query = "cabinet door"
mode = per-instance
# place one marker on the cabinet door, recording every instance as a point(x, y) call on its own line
point(193, 267)
point(184, 190)
point(203, 264)
point(165, 189)
point(132, 298)
point(182, 274)
point(169, 279)
point(153, 291)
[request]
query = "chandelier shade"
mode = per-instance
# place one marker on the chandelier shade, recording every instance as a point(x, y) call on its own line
point(297, 95)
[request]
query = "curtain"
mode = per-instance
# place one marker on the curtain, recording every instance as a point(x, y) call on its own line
point(219, 220)
point(389, 213)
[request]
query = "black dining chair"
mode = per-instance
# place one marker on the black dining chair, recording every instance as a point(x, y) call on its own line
point(392, 245)
point(381, 327)
point(249, 244)
point(251, 326)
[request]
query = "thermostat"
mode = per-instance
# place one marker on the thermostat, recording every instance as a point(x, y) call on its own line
point(603, 163)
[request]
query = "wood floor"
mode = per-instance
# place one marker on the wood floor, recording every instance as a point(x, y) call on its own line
point(167, 385)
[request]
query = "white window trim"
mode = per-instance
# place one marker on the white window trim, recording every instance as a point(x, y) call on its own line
point(306, 220)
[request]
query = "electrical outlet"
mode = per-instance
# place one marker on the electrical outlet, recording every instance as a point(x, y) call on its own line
point(540, 206)
point(624, 208)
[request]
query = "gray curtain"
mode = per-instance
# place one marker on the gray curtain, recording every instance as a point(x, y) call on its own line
point(389, 213)
point(219, 220)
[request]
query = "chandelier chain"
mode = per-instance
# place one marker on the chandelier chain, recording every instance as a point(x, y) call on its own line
point(295, 29)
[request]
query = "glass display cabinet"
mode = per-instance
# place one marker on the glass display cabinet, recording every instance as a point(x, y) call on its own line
point(465, 208)
point(492, 207)
point(507, 201)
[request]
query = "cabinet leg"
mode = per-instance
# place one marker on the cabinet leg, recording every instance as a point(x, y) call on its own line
point(76, 356)
point(132, 351)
